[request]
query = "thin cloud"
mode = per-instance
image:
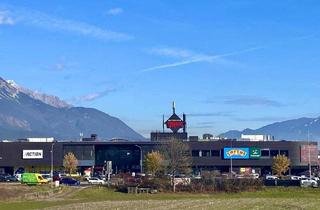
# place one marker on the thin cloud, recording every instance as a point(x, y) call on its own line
point(62, 66)
point(253, 101)
point(171, 52)
point(5, 18)
point(247, 101)
point(94, 96)
point(115, 11)
point(209, 58)
point(207, 123)
point(210, 114)
point(201, 126)
point(196, 59)
point(52, 23)
point(59, 66)
point(262, 119)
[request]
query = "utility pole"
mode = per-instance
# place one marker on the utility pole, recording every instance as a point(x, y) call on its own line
point(231, 175)
point(309, 158)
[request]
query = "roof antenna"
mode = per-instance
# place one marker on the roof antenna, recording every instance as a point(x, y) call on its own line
point(163, 123)
point(174, 107)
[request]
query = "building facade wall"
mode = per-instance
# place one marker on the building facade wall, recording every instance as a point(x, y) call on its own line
point(87, 153)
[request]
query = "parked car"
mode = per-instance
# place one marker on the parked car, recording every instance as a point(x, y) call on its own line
point(247, 176)
point(271, 177)
point(295, 177)
point(47, 177)
point(56, 177)
point(196, 176)
point(315, 178)
point(95, 180)
point(18, 176)
point(86, 177)
point(308, 182)
point(103, 177)
point(10, 178)
point(254, 176)
point(2, 178)
point(69, 181)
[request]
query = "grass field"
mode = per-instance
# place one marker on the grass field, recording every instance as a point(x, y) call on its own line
point(103, 198)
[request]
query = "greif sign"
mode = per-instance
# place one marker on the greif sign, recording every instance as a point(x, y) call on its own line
point(32, 154)
point(235, 153)
point(255, 153)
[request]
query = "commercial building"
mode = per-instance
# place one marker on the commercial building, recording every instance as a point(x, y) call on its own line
point(242, 156)
point(254, 153)
point(126, 156)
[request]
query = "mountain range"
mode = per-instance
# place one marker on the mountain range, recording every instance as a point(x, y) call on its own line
point(25, 113)
point(296, 129)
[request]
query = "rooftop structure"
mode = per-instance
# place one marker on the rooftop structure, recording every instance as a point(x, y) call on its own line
point(252, 137)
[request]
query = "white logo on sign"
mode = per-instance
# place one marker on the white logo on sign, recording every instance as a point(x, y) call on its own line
point(32, 154)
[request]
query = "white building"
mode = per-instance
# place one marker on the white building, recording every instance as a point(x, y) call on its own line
point(50, 139)
point(245, 137)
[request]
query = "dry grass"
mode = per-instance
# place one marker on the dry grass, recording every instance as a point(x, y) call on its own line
point(103, 198)
point(12, 191)
point(219, 203)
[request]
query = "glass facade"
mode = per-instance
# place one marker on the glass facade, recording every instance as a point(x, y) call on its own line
point(82, 152)
point(205, 153)
point(215, 153)
point(125, 158)
point(195, 153)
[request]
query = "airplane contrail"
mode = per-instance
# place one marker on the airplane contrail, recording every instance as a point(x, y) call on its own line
point(197, 59)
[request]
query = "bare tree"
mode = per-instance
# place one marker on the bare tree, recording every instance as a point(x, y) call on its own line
point(70, 162)
point(177, 159)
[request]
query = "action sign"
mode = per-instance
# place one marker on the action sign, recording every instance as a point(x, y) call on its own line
point(235, 153)
point(255, 153)
point(32, 154)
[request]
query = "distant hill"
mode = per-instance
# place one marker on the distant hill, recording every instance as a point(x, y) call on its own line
point(24, 113)
point(296, 129)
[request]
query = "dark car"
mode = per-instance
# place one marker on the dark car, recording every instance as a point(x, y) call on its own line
point(69, 181)
point(2, 178)
point(10, 178)
point(56, 178)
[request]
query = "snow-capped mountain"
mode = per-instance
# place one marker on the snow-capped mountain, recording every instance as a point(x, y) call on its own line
point(7, 91)
point(25, 114)
point(47, 99)
point(296, 129)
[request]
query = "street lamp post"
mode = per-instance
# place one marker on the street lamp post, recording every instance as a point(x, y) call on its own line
point(309, 156)
point(51, 172)
point(140, 157)
point(231, 162)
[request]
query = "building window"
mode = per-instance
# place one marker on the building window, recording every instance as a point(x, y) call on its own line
point(284, 152)
point(205, 153)
point(82, 152)
point(215, 153)
point(195, 153)
point(274, 153)
point(265, 153)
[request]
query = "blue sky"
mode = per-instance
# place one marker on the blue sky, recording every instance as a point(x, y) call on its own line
point(227, 64)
